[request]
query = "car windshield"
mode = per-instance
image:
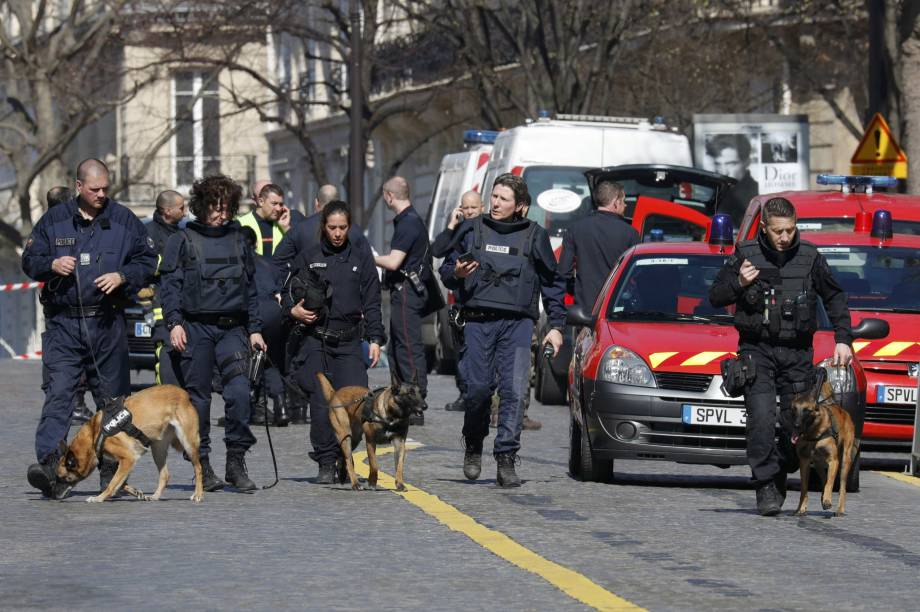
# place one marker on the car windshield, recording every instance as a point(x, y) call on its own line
point(551, 179)
point(877, 279)
point(820, 224)
point(656, 288)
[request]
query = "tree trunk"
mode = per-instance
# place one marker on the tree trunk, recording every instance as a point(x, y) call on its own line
point(909, 68)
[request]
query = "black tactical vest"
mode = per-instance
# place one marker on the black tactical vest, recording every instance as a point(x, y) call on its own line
point(781, 304)
point(506, 279)
point(214, 274)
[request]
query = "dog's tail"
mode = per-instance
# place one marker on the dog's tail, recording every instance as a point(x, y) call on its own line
point(326, 386)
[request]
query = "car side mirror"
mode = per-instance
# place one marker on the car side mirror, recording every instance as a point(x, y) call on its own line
point(578, 317)
point(871, 329)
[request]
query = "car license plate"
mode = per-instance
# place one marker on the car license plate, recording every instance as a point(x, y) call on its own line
point(141, 330)
point(713, 415)
point(895, 395)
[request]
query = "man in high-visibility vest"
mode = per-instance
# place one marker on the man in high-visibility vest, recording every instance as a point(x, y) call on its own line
point(269, 219)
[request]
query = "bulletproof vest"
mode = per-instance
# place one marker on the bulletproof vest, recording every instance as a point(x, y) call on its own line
point(781, 304)
point(214, 274)
point(506, 278)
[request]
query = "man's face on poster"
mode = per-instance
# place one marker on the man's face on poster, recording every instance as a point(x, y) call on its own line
point(729, 163)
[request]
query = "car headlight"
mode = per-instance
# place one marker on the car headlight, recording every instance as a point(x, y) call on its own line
point(622, 366)
point(150, 318)
point(842, 378)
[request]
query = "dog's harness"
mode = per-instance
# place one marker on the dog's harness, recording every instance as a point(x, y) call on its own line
point(116, 419)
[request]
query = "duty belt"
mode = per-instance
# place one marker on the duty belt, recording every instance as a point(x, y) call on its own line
point(77, 312)
point(223, 321)
point(335, 337)
point(487, 315)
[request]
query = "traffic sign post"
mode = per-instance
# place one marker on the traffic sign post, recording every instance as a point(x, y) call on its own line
point(915, 447)
point(878, 153)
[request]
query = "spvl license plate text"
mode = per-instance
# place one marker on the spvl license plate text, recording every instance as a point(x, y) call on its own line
point(722, 416)
point(895, 395)
point(141, 330)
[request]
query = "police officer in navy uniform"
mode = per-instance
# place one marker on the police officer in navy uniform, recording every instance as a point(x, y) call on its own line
point(302, 237)
point(775, 282)
point(407, 270)
point(268, 287)
point(91, 253)
point(212, 312)
point(507, 263)
point(169, 212)
point(592, 244)
point(334, 329)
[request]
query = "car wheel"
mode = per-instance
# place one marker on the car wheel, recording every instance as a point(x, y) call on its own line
point(574, 449)
point(591, 468)
point(548, 390)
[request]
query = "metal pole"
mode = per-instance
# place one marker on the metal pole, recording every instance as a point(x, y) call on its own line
point(356, 141)
point(915, 447)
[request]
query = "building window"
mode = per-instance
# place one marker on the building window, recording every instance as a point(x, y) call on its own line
point(197, 118)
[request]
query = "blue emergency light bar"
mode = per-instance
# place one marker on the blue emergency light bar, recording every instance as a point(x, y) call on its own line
point(479, 136)
point(656, 235)
point(857, 181)
point(881, 225)
point(722, 230)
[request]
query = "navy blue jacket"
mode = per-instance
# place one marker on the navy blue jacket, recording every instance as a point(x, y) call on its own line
point(115, 241)
point(303, 236)
point(172, 273)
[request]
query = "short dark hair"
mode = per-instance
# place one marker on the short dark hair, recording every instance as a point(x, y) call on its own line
point(515, 184)
point(168, 199)
point(608, 191)
point(738, 142)
point(58, 195)
point(211, 190)
point(271, 188)
point(335, 207)
point(91, 166)
point(778, 207)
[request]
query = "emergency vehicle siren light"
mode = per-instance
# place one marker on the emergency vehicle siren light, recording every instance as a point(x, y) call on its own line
point(850, 182)
point(479, 136)
point(656, 235)
point(722, 231)
point(863, 222)
point(881, 225)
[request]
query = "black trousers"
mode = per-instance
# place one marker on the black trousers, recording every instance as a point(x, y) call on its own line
point(344, 366)
point(407, 351)
point(781, 371)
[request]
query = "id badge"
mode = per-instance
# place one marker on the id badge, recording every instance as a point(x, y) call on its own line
point(84, 259)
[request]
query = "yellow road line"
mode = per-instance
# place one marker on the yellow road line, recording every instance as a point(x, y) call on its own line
point(573, 584)
point(911, 480)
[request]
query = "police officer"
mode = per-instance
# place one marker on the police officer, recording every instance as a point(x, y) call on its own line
point(268, 288)
point(211, 306)
point(170, 210)
point(348, 310)
point(775, 282)
point(592, 244)
point(470, 208)
point(500, 265)
point(91, 253)
point(408, 269)
point(303, 237)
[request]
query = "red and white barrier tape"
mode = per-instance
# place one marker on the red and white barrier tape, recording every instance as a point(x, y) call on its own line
point(20, 286)
point(35, 355)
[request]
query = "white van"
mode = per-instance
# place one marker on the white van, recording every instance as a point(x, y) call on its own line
point(553, 154)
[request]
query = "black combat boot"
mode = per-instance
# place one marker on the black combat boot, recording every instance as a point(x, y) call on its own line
point(472, 459)
point(769, 502)
point(209, 478)
point(298, 413)
point(282, 416)
point(458, 405)
point(81, 412)
point(326, 474)
point(259, 408)
point(506, 476)
point(41, 475)
point(236, 475)
point(780, 481)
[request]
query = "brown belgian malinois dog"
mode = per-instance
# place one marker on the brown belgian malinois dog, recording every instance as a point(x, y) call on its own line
point(380, 416)
point(164, 414)
point(824, 437)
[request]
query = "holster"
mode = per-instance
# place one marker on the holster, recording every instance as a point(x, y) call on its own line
point(737, 374)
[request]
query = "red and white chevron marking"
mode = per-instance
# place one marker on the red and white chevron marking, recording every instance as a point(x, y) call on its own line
point(35, 355)
point(20, 286)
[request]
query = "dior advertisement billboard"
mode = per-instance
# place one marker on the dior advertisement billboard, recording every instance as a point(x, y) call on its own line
point(764, 153)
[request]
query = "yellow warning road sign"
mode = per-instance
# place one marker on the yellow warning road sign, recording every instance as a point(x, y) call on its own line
point(878, 153)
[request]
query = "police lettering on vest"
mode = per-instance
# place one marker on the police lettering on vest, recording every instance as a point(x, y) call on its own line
point(506, 279)
point(781, 304)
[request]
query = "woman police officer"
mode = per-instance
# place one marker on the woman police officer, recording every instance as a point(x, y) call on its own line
point(333, 331)
point(210, 305)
